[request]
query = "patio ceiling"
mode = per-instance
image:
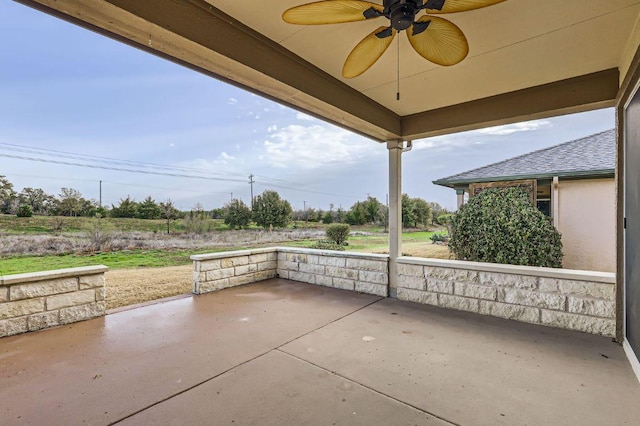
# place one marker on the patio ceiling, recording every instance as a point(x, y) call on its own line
point(527, 59)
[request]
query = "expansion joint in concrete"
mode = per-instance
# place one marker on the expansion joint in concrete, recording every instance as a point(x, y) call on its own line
point(399, 401)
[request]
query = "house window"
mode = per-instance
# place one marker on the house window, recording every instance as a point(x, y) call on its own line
point(543, 198)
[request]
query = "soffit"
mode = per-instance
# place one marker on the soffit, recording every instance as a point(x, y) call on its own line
point(514, 45)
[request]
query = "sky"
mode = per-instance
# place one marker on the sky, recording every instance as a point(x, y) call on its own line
point(77, 108)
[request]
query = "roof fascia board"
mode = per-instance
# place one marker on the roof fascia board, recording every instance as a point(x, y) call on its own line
point(577, 94)
point(596, 174)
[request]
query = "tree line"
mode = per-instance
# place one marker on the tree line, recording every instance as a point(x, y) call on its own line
point(267, 210)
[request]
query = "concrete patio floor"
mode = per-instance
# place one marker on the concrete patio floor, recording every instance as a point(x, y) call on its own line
point(285, 353)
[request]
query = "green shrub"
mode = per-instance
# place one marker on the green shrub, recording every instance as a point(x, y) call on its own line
point(327, 245)
point(501, 225)
point(24, 210)
point(439, 238)
point(444, 219)
point(338, 233)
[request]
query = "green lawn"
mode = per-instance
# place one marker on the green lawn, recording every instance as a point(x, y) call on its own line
point(376, 242)
point(114, 260)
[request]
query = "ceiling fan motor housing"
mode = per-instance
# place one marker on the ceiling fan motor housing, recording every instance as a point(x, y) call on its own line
point(401, 13)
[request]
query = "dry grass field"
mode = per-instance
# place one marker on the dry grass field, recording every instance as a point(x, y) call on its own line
point(130, 286)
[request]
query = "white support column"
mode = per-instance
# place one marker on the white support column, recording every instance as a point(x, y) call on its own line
point(555, 201)
point(395, 148)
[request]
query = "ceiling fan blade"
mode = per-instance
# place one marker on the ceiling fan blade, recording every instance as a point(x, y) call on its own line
point(438, 40)
point(368, 51)
point(332, 12)
point(453, 6)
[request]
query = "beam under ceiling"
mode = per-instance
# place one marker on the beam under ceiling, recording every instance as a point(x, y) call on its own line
point(578, 94)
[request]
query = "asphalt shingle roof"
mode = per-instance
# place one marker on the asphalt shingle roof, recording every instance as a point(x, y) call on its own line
point(592, 154)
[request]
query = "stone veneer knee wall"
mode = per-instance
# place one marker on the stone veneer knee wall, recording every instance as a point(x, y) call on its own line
point(30, 302)
point(361, 272)
point(575, 300)
point(216, 271)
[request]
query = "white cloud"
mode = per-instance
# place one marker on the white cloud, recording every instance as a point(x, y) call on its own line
point(311, 147)
point(509, 129)
point(479, 137)
point(172, 144)
point(272, 128)
point(304, 117)
point(226, 157)
point(232, 101)
point(445, 143)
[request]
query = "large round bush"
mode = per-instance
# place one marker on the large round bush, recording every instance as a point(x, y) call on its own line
point(500, 225)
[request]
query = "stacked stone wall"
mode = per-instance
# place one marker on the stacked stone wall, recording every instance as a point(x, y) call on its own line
point(364, 273)
point(575, 300)
point(30, 302)
point(216, 271)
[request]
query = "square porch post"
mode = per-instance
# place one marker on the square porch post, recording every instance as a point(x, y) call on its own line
point(395, 148)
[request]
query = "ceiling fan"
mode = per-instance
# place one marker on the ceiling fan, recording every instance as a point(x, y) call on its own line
point(435, 39)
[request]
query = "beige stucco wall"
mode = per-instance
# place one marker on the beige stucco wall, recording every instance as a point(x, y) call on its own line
point(587, 218)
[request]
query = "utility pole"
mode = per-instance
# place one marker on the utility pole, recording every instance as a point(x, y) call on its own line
point(305, 210)
point(100, 193)
point(231, 196)
point(251, 183)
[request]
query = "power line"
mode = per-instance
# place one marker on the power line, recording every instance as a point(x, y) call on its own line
point(120, 169)
point(108, 160)
point(182, 189)
point(270, 182)
point(111, 160)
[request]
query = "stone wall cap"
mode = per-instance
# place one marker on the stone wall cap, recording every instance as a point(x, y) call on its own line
point(350, 254)
point(346, 254)
point(48, 275)
point(565, 274)
point(236, 253)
